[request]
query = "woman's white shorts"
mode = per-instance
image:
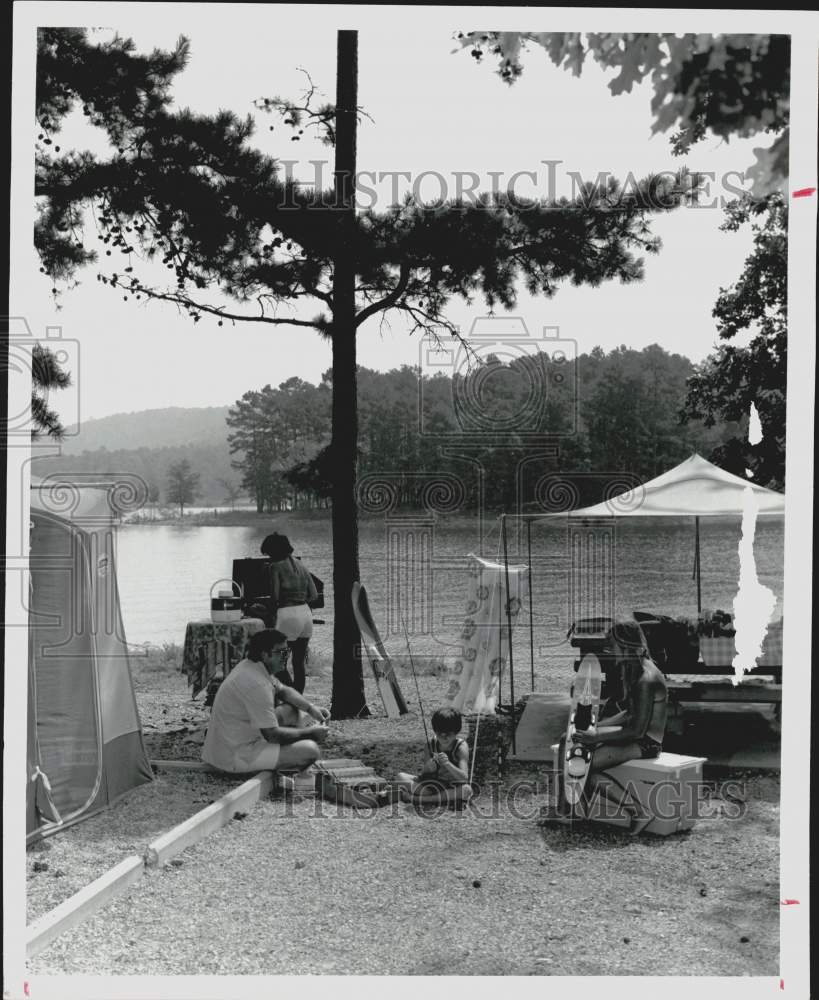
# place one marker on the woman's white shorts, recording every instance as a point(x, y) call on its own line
point(295, 622)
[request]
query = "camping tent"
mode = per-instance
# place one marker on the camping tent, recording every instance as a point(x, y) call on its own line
point(695, 488)
point(85, 744)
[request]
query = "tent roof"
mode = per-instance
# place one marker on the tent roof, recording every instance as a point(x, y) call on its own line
point(59, 496)
point(695, 487)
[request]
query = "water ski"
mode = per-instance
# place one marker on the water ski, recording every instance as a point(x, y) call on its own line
point(582, 718)
point(385, 679)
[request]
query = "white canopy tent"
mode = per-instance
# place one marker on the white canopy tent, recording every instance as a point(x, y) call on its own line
point(694, 488)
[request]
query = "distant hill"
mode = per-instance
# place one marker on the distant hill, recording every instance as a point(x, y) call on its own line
point(147, 443)
point(167, 428)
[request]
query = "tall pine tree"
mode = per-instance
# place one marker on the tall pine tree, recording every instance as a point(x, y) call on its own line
point(185, 210)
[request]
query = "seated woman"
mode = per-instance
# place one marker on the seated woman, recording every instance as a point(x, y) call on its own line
point(444, 776)
point(635, 732)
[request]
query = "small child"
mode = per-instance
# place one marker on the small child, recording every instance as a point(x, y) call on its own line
point(445, 774)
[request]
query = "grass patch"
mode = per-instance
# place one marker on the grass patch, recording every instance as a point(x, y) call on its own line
point(151, 659)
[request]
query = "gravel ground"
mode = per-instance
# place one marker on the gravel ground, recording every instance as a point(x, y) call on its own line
point(304, 886)
point(61, 865)
point(286, 890)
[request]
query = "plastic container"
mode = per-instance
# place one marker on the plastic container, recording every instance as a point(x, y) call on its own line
point(669, 787)
point(227, 605)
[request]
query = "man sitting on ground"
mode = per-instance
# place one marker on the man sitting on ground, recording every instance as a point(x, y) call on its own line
point(247, 731)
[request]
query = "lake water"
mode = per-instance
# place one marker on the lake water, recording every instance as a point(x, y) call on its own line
point(165, 573)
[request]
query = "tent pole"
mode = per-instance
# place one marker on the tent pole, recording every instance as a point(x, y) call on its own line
point(531, 623)
point(697, 562)
point(509, 627)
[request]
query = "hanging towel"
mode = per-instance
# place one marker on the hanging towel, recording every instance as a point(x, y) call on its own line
point(475, 680)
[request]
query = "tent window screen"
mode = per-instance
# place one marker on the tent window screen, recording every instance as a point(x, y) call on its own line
point(65, 688)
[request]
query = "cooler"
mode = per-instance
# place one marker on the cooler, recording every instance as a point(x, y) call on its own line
point(668, 787)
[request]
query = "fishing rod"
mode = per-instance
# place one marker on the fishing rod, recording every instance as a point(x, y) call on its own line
point(415, 678)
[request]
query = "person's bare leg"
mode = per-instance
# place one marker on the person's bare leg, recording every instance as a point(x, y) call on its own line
point(459, 795)
point(405, 783)
point(298, 756)
point(604, 758)
point(301, 754)
point(298, 657)
point(288, 715)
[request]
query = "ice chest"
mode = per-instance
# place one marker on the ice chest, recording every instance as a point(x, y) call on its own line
point(668, 787)
point(226, 606)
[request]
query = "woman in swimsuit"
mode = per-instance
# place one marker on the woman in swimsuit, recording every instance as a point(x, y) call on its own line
point(292, 592)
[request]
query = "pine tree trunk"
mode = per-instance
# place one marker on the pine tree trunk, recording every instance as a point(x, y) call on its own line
point(348, 679)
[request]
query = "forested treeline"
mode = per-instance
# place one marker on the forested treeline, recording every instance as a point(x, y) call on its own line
point(620, 415)
point(153, 465)
point(275, 431)
point(608, 414)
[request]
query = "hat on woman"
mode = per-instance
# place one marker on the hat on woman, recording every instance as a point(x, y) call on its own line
point(276, 547)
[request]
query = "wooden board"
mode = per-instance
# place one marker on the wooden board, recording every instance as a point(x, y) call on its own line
point(82, 904)
point(726, 692)
point(762, 708)
point(375, 782)
point(184, 765)
point(353, 793)
point(350, 772)
point(344, 766)
point(337, 763)
point(114, 882)
point(351, 783)
point(383, 670)
point(542, 723)
point(208, 820)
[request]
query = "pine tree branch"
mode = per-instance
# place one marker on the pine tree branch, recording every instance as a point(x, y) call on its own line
point(389, 300)
point(193, 306)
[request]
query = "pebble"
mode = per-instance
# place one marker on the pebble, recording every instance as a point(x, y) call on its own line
point(476, 883)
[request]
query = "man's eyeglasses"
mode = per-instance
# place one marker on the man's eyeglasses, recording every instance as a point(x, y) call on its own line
point(281, 653)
